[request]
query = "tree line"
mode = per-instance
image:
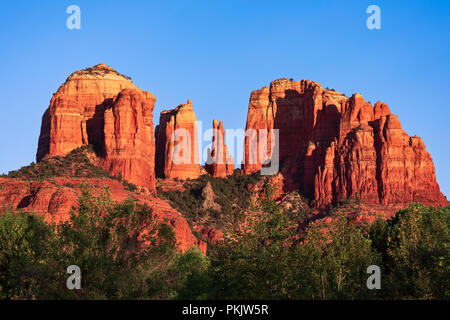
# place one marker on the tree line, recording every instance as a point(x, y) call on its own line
point(124, 253)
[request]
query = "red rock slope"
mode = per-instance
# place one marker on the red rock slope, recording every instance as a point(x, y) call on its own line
point(54, 200)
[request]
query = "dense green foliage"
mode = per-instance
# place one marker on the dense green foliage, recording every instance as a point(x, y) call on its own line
point(27, 247)
point(271, 261)
point(415, 247)
point(105, 240)
point(269, 258)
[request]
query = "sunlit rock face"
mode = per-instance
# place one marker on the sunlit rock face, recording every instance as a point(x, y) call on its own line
point(102, 107)
point(129, 148)
point(332, 147)
point(177, 143)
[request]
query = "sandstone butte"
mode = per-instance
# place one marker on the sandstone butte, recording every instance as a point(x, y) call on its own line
point(220, 163)
point(332, 147)
point(176, 144)
point(101, 107)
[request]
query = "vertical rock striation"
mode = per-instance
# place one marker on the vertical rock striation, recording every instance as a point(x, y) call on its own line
point(219, 164)
point(128, 131)
point(86, 103)
point(176, 143)
point(333, 147)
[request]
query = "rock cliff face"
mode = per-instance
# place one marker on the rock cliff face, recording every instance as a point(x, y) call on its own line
point(333, 147)
point(54, 200)
point(176, 144)
point(87, 109)
point(41, 197)
point(219, 163)
point(128, 131)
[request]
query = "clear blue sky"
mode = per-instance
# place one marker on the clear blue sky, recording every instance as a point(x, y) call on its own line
point(215, 52)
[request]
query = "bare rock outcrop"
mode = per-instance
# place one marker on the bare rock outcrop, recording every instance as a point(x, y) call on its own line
point(208, 197)
point(86, 110)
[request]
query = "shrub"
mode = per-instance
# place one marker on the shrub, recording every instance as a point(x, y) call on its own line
point(74, 164)
point(99, 71)
point(129, 186)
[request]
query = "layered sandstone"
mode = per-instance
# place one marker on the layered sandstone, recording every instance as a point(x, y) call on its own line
point(332, 147)
point(54, 200)
point(220, 163)
point(86, 110)
point(128, 134)
point(176, 143)
point(44, 198)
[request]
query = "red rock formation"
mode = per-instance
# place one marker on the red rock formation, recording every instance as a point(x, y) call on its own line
point(42, 197)
point(333, 147)
point(53, 201)
point(176, 143)
point(128, 131)
point(219, 163)
point(76, 117)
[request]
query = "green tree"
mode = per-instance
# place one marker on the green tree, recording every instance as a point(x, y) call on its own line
point(256, 262)
point(193, 278)
point(415, 249)
point(333, 262)
point(27, 261)
point(270, 259)
point(122, 250)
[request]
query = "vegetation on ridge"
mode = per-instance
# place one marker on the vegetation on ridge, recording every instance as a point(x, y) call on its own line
point(267, 260)
point(99, 70)
point(76, 164)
